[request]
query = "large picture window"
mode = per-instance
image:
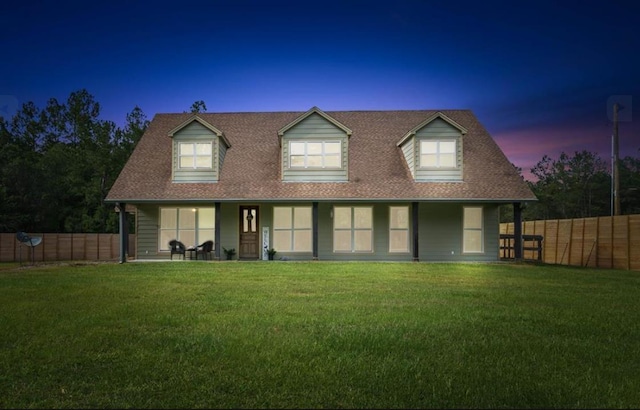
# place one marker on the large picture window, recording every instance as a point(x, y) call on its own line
point(292, 228)
point(195, 155)
point(191, 226)
point(398, 229)
point(352, 229)
point(473, 231)
point(320, 154)
point(438, 154)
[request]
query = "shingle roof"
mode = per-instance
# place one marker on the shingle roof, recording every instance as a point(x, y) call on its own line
point(377, 169)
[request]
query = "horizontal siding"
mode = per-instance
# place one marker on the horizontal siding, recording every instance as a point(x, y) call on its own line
point(147, 232)
point(408, 149)
point(438, 129)
point(196, 132)
point(315, 127)
point(440, 232)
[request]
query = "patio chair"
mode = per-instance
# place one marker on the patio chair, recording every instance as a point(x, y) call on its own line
point(30, 241)
point(177, 248)
point(205, 250)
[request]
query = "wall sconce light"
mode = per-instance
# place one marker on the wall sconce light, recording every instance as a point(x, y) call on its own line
point(331, 213)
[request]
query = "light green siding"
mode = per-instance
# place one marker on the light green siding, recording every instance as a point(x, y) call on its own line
point(438, 129)
point(196, 132)
point(147, 233)
point(314, 128)
point(440, 232)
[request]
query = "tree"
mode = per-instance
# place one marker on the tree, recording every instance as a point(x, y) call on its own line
point(198, 106)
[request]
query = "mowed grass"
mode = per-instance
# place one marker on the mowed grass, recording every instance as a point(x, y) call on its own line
point(318, 335)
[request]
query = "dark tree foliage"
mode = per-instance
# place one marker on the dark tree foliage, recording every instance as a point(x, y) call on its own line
point(579, 186)
point(59, 163)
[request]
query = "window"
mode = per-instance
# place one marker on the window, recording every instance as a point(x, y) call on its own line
point(292, 229)
point(195, 155)
point(322, 154)
point(191, 226)
point(352, 229)
point(472, 235)
point(398, 229)
point(438, 154)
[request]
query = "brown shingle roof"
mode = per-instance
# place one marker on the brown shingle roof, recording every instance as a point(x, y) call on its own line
point(377, 169)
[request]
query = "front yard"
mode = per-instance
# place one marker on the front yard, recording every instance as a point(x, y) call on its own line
point(318, 335)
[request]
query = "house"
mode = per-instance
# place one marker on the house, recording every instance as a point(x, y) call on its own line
point(410, 185)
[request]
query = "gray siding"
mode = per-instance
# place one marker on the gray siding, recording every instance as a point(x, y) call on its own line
point(314, 127)
point(436, 130)
point(197, 132)
point(408, 149)
point(147, 232)
point(440, 232)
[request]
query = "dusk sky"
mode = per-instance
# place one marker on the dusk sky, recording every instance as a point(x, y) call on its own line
point(540, 76)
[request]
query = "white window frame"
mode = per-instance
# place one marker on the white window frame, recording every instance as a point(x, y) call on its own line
point(353, 230)
point(293, 229)
point(468, 229)
point(190, 234)
point(323, 155)
point(438, 153)
point(396, 229)
point(194, 155)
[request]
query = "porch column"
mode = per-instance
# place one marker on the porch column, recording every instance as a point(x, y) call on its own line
point(414, 221)
point(314, 230)
point(517, 230)
point(124, 231)
point(216, 234)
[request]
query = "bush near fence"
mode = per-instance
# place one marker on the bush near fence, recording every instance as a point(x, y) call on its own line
point(603, 242)
point(65, 247)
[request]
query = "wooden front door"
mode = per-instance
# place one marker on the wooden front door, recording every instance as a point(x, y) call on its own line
point(249, 246)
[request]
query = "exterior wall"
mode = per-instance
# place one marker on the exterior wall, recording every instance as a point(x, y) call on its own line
point(440, 232)
point(437, 129)
point(408, 149)
point(315, 127)
point(197, 132)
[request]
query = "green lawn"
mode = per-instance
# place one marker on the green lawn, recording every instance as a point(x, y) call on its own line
point(318, 335)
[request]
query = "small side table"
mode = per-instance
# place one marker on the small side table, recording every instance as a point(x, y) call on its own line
point(192, 250)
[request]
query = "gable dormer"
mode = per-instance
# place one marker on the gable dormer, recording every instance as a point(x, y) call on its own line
point(314, 147)
point(198, 150)
point(433, 149)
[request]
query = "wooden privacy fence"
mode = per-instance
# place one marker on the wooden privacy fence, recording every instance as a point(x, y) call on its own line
point(65, 247)
point(603, 242)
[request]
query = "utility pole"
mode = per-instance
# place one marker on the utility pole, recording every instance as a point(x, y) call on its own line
point(616, 171)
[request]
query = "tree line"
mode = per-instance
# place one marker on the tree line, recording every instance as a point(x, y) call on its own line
point(579, 186)
point(59, 162)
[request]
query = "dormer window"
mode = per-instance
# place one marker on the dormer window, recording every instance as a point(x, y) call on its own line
point(195, 155)
point(438, 154)
point(316, 154)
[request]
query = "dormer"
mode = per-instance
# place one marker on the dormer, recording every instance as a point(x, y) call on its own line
point(433, 149)
point(198, 150)
point(314, 148)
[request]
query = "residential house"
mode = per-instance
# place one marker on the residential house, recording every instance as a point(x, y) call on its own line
point(410, 185)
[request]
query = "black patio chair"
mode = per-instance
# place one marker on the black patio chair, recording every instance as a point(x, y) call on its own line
point(177, 248)
point(205, 250)
point(30, 241)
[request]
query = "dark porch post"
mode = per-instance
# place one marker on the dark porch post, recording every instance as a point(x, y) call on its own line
point(217, 231)
point(314, 230)
point(414, 219)
point(517, 230)
point(124, 231)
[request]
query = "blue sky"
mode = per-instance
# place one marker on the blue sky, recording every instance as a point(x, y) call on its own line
point(540, 76)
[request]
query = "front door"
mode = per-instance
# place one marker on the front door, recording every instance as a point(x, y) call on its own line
point(249, 246)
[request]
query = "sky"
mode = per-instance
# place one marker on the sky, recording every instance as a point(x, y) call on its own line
point(541, 76)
